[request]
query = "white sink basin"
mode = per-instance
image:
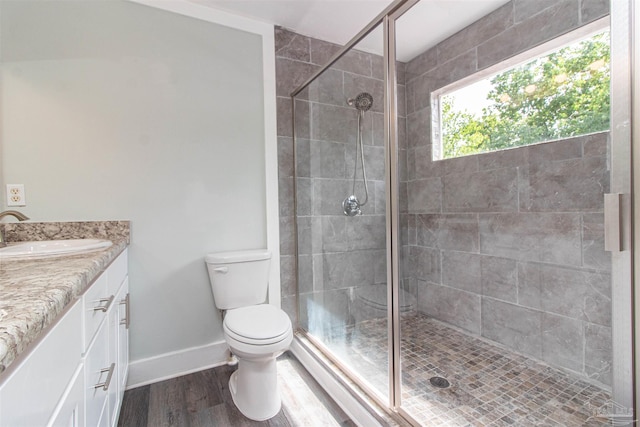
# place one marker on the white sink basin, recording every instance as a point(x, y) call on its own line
point(49, 248)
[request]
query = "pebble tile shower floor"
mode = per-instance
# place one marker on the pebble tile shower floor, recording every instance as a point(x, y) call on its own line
point(490, 386)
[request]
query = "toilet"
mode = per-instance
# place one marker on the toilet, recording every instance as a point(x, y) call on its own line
point(256, 332)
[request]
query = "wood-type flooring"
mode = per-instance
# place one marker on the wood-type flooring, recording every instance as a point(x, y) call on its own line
point(202, 399)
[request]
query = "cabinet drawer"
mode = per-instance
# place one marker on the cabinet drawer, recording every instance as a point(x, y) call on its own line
point(30, 394)
point(96, 302)
point(97, 375)
point(116, 273)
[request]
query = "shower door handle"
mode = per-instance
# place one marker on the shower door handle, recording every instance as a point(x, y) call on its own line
point(616, 216)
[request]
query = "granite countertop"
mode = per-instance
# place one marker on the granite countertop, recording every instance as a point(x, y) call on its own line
point(33, 294)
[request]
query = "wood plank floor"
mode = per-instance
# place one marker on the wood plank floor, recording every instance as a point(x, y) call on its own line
point(203, 399)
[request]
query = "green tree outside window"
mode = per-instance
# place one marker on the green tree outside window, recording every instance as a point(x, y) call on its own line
point(560, 95)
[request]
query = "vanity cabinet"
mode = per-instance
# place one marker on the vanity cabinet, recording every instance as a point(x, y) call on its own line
point(76, 374)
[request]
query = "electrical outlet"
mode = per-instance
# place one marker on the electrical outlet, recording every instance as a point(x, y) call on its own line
point(15, 195)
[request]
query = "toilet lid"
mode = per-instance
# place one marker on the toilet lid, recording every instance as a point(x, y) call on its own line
point(259, 324)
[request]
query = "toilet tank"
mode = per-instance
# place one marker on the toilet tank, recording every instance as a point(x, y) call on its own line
point(240, 278)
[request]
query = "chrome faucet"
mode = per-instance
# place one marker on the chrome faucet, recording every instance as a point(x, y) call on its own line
point(19, 216)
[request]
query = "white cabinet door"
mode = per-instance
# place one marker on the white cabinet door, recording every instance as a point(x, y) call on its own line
point(70, 410)
point(30, 393)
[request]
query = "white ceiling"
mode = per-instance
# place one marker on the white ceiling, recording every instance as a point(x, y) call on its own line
point(337, 21)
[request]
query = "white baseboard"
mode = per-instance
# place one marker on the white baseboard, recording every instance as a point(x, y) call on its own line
point(349, 404)
point(176, 363)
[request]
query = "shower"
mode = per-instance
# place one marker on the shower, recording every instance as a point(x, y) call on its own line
point(351, 206)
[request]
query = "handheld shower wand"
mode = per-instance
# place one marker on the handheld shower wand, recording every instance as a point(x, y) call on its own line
point(351, 206)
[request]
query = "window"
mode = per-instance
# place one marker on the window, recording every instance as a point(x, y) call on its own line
point(560, 94)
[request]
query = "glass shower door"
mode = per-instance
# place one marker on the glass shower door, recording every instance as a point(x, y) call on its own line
point(340, 213)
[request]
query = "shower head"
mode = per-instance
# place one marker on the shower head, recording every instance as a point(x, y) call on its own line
point(363, 101)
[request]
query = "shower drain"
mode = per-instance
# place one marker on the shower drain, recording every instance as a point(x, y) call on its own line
point(439, 382)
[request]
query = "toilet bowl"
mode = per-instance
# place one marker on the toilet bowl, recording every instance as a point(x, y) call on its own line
point(256, 332)
point(257, 335)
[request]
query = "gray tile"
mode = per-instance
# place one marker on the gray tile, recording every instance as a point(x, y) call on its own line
point(499, 278)
point(458, 232)
point(578, 294)
point(285, 156)
point(353, 61)
point(380, 191)
point(422, 63)
point(328, 160)
point(539, 28)
point(366, 232)
point(525, 9)
point(465, 164)
point(306, 236)
point(287, 276)
point(402, 100)
point(516, 327)
point(486, 191)
point(568, 185)
point(379, 266)
point(284, 118)
point(562, 342)
point(303, 157)
point(421, 165)
point(462, 270)
point(355, 84)
point(598, 352)
point(593, 253)
point(483, 29)
point(563, 149)
point(333, 237)
point(291, 74)
point(590, 10)
point(328, 195)
point(285, 197)
point(453, 306)
point(424, 264)
point(508, 158)
point(376, 122)
point(332, 123)
point(289, 307)
point(546, 237)
point(374, 159)
point(346, 270)
point(305, 198)
point(419, 128)
point(287, 235)
point(291, 45)
point(327, 88)
point(305, 273)
point(425, 195)
point(283, 114)
point(596, 145)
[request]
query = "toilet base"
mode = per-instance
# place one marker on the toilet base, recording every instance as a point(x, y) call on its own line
point(254, 388)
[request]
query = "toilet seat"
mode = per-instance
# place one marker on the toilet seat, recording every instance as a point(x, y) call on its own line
point(261, 324)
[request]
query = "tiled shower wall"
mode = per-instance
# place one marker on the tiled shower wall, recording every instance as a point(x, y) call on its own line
point(509, 245)
point(340, 257)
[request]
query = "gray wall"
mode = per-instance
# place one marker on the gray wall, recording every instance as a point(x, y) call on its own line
point(509, 245)
point(113, 110)
point(340, 257)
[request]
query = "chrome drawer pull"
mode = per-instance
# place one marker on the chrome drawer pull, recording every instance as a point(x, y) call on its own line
point(107, 304)
point(125, 321)
point(105, 385)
